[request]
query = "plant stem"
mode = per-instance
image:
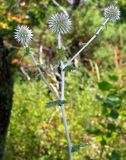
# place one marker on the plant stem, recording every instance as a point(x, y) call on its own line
point(63, 111)
point(86, 45)
point(59, 41)
point(62, 106)
point(43, 77)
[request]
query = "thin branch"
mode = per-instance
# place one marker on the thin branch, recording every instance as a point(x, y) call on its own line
point(43, 77)
point(25, 73)
point(86, 45)
point(60, 7)
point(97, 71)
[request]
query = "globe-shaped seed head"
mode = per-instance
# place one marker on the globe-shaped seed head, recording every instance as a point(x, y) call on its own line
point(23, 34)
point(60, 23)
point(113, 13)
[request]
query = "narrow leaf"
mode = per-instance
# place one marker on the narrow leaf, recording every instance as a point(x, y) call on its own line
point(39, 75)
point(56, 103)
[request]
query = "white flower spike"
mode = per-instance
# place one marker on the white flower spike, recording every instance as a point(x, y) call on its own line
point(23, 34)
point(113, 13)
point(60, 23)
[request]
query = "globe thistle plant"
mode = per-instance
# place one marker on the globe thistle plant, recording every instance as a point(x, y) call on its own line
point(113, 13)
point(60, 23)
point(23, 34)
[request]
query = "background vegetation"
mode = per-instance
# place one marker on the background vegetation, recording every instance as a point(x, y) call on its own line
point(96, 90)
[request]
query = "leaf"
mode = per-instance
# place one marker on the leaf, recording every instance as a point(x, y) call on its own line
point(56, 103)
point(76, 147)
point(114, 114)
point(103, 142)
point(27, 50)
point(99, 98)
point(93, 130)
point(104, 85)
point(39, 75)
point(60, 54)
point(113, 78)
point(113, 99)
point(87, 157)
point(69, 68)
point(40, 65)
point(114, 156)
point(111, 127)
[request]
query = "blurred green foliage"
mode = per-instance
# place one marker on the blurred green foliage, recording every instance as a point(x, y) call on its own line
point(96, 105)
point(95, 117)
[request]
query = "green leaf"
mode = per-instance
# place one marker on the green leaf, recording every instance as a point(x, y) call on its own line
point(56, 103)
point(111, 127)
point(40, 65)
point(69, 68)
point(28, 50)
point(93, 130)
point(103, 142)
point(113, 99)
point(114, 114)
point(76, 147)
point(87, 157)
point(114, 156)
point(39, 75)
point(60, 54)
point(104, 85)
point(113, 78)
point(99, 98)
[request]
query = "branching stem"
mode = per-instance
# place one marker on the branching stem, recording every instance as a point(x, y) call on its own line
point(86, 45)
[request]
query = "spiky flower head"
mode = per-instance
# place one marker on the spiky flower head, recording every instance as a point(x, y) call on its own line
point(113, 13)
point(60, 23)
point(23, 34)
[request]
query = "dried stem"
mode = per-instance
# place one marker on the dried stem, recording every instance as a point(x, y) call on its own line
point(43, 77)
point(25, 73)
point(60, 7)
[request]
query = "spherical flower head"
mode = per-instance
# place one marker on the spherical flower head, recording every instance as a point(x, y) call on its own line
point(23, 34)
point(60, 23)
point(113, 13)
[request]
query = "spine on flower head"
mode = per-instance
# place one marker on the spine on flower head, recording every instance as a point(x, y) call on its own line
point(60, 23)
point(112, 12)
point(23, 35)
